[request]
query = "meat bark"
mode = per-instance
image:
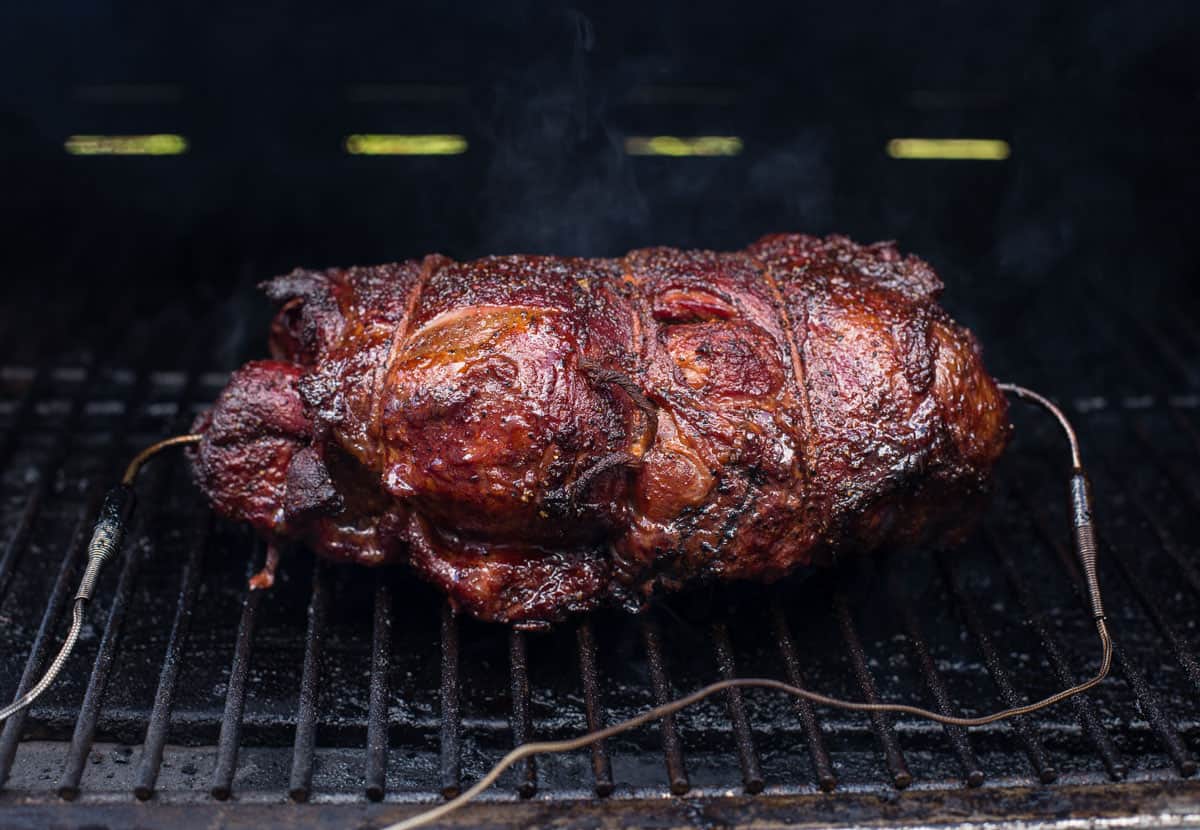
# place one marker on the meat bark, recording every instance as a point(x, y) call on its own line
point(537, 435)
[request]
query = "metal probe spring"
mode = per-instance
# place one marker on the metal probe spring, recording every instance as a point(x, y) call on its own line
point(106, 540)
point(1085, 549)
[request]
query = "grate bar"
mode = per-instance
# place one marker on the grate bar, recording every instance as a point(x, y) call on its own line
point(63, 585)
point(973, 773)
point(164, 695)
point(672, 746)
point(1089, 719)
point(89, 710)
point(79, 540)
point(451, 740)
point(590, 677)
point(235, 699)
point(18, 540)
point(522, 719)
point(377, 712)
point(901, 777)
point(826, 779)
point(1150, 704)
point(1038, 758)
point(89, 713)
point(1166, 541)
point(1147, 700)
point(1142, 594)
point(752, 776)
point(300, 785)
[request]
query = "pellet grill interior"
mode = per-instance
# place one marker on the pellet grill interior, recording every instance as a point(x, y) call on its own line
point(345, 697)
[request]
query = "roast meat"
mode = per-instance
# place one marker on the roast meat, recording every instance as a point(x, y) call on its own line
point(536, 435)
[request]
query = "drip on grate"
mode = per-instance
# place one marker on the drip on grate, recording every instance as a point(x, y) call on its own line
point(342, 682)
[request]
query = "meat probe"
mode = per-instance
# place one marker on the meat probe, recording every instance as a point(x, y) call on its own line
point(106, 540)
point(118, 505)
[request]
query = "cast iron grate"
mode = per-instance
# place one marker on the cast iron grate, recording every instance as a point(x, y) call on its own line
point(344, 684)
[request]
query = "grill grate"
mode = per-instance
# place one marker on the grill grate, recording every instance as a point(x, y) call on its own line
point(345, 684)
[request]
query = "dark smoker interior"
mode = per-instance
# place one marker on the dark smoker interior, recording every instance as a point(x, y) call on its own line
point(1097, 102)
point(301, 135)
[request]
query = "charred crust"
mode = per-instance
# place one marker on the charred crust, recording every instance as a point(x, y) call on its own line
point(309, 487)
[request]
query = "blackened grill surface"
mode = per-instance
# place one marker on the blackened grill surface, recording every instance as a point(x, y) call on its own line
point(336, 687)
